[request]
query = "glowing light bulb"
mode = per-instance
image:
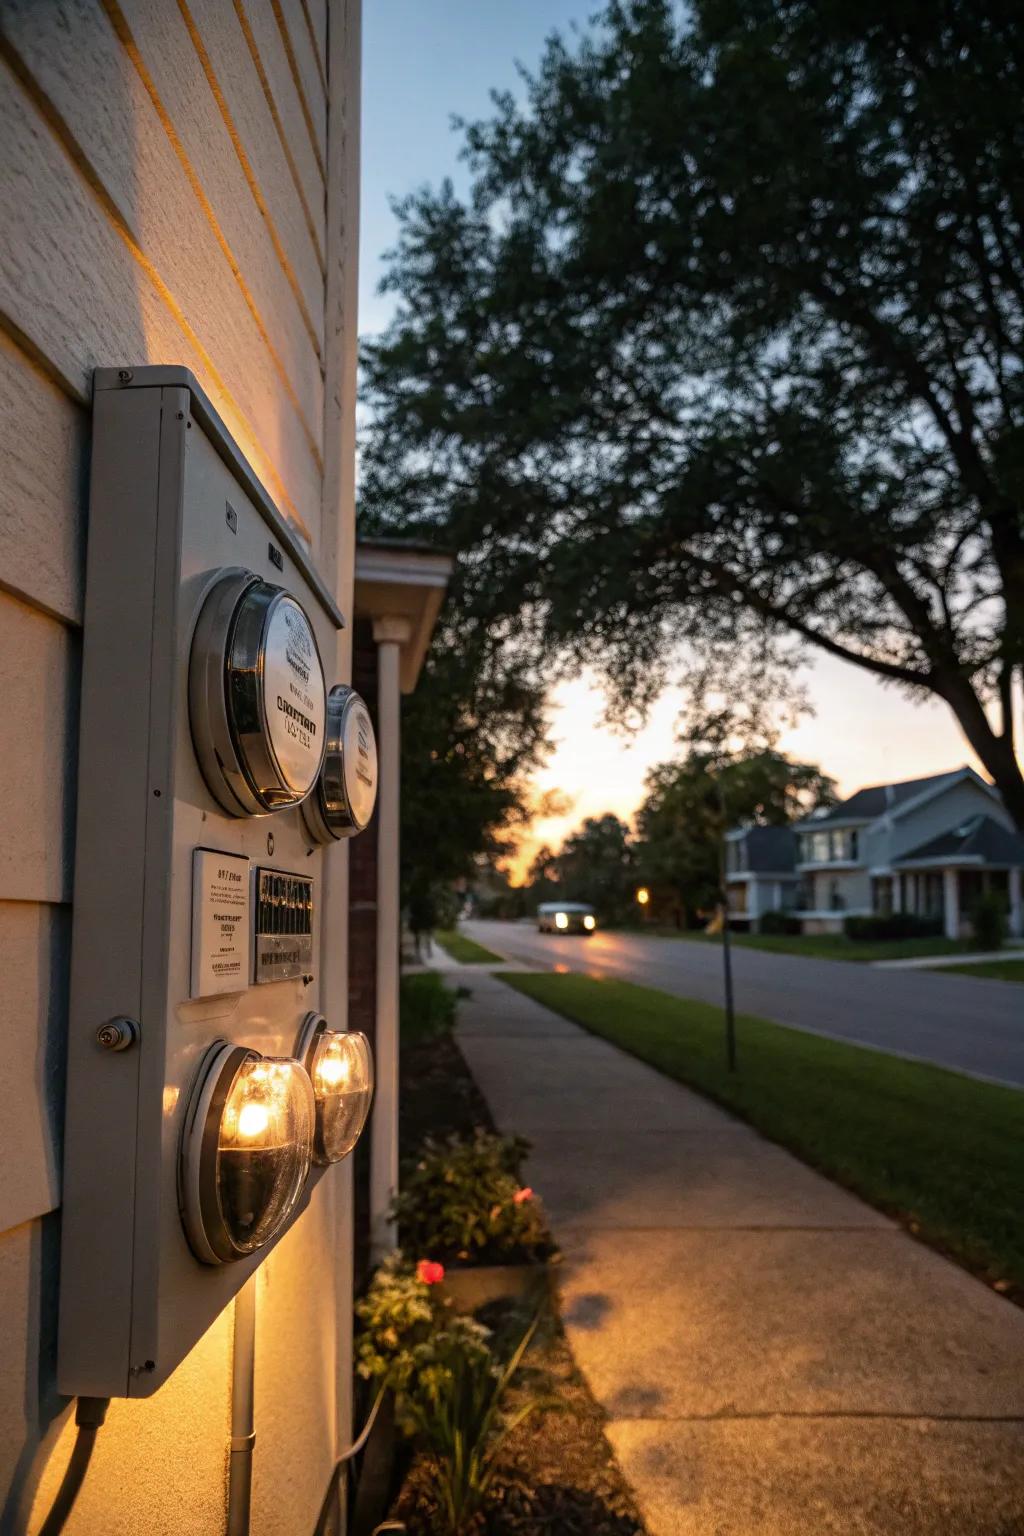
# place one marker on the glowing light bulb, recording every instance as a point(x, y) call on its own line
point(333, 1070)
point(253, 1119)
point(643, 896)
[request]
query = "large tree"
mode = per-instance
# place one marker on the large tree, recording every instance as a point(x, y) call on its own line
point(729, 335)
point(594, 864)
point(471, 732)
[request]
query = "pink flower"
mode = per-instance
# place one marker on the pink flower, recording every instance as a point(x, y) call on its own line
point(429, 1272)
point(521, 1195)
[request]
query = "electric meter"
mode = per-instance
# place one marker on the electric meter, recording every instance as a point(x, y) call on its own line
point(346, 791)
point(257, 697)
point(246, 1150)
point(340, 1067)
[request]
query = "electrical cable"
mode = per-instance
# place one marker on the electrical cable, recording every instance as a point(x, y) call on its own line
point(89, 1415)
point(353, 1450)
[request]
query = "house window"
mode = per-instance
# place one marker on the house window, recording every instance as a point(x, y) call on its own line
point(881, 894)
point(854, 852)
point(836, 899)
point(820, 848)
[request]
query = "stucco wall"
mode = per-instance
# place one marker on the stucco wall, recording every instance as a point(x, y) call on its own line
point(180, 186)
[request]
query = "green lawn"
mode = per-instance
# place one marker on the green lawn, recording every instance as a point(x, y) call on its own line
point(941, 1151)
point(465, 951)
point(836, 946)
point(996, 970)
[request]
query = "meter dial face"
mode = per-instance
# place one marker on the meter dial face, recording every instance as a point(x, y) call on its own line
point(257, 697)
point(343, 801)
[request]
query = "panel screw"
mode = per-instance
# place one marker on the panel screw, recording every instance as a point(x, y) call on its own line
point(270, 844)
point(125, 375)
point(117, 1035)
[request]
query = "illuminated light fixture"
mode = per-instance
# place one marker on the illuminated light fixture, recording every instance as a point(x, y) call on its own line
point(643, 896)
point(562, 920)
point(340, 1067)
point(590, 923)
point(246, 1151)
point(257, 699)
point(346, 791)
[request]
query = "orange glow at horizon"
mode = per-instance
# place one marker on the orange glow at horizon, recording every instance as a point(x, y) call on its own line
point(861, 732)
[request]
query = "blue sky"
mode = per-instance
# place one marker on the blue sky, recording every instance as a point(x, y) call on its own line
point(423, 61)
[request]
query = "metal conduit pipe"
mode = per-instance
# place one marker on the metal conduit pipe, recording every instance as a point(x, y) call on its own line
point(243, 1434)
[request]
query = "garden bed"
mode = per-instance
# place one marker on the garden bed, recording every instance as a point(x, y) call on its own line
point(555, 1474)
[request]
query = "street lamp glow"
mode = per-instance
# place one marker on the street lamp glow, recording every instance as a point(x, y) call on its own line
point(643, 896)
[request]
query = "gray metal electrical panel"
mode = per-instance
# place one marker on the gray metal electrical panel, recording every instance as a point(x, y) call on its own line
point(197, 891)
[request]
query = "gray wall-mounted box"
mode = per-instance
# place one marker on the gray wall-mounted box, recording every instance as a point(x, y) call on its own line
point(173, 506)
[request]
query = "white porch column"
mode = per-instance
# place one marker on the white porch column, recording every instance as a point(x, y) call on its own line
point(390, 635)
point(1016, 914)
point(951, 902)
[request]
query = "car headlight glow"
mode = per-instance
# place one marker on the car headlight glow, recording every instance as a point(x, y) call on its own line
point(561, 920)
point(589, 923)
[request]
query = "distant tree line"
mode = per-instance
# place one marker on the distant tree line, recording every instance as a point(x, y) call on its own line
point(674, 852)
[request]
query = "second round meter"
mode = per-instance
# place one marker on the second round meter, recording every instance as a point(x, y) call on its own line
point(257, 696)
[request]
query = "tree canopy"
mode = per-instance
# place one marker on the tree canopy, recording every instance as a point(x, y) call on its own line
point(727, 340)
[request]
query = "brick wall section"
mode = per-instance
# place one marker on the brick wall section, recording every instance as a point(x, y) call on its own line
point(362, 936)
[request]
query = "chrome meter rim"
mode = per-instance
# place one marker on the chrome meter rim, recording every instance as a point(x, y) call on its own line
point(255, 763)
point(332, 811)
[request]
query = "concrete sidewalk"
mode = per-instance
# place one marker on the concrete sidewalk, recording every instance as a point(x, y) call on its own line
point(776, 1359)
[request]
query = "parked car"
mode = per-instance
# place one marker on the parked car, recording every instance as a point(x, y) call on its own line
point(565, 917)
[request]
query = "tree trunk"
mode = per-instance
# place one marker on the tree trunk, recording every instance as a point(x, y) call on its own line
point(996, 752)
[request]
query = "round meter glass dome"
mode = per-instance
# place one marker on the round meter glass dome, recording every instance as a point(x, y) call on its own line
point(247, 1151)
point(346, 792)
point(340, 1067)
point(257, 696)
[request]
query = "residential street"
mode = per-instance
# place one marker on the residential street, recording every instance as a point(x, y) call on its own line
point(969, 1025)
point(773, 1355)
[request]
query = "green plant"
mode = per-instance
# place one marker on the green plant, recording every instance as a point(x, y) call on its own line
point(461, 1201)
point(988, 921)
point(426, 1007)
point(409, 1338)
point(460, 1421)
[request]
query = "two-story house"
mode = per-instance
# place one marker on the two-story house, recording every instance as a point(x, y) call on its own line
point(760, 873)
point(927, 846)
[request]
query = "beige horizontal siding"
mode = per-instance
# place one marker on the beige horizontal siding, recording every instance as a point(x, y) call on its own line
point(302, 62)
point(43, 488)
point(315, 12)
point(39, 682)
point(266, 48)
point(112, 137)
point(35, 944)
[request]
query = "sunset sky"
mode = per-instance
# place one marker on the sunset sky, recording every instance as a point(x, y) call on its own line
point(421, 67)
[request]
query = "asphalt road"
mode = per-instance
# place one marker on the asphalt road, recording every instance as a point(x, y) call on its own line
point(952, 1020)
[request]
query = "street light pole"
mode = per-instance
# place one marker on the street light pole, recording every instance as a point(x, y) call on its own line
point(730, 1010)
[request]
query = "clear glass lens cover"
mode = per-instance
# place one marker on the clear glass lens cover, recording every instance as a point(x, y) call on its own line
point(264, 1148)
point(341, 1070)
